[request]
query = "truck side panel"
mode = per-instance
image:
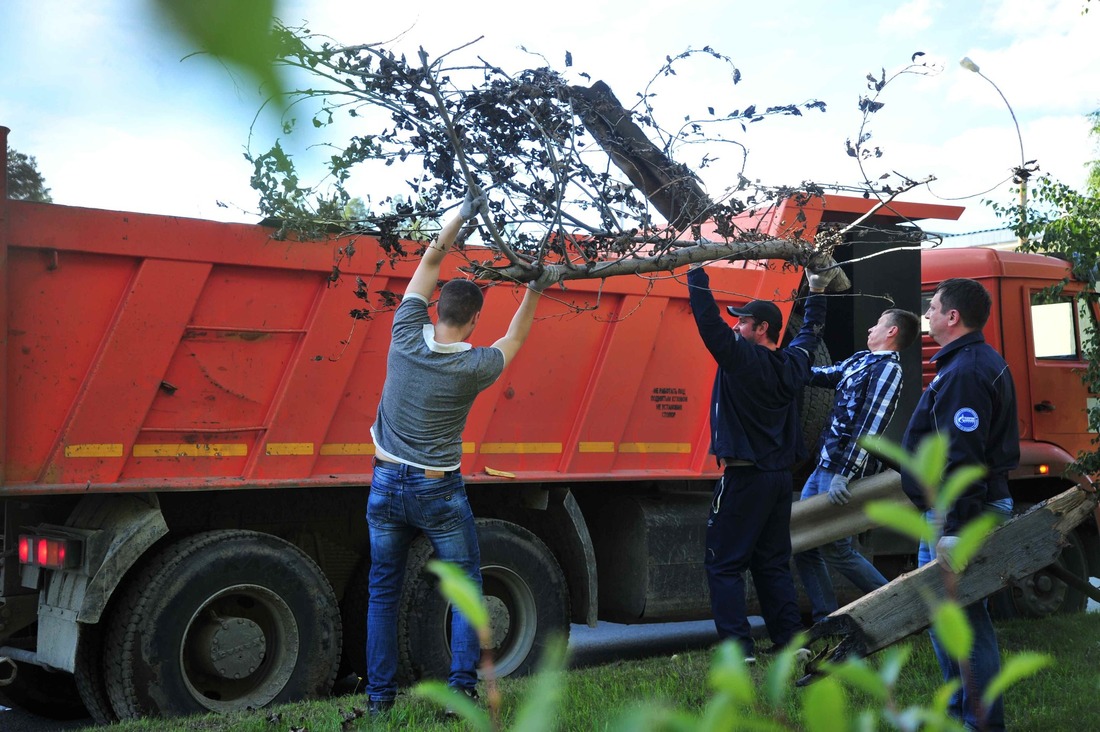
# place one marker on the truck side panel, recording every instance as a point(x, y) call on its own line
point(158, 352)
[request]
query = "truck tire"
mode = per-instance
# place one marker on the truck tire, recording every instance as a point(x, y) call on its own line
point(814, 406)
point(525, 591)
point(1041, 594)
point(89, 675)
point(222, 621)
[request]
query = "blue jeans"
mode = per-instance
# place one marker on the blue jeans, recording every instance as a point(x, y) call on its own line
point(840, 555)
point(985, 657)
point(750, 528)
point(403, 503)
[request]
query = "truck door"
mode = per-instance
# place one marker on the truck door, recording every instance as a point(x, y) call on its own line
point(1059, 400)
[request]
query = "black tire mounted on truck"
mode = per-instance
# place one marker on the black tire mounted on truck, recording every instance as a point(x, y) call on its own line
point(222, 621)
point(814, 406)
point(90, 683)
point(525, 592)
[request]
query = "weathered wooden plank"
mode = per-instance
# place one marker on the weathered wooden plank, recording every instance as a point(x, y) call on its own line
point(1014, 550)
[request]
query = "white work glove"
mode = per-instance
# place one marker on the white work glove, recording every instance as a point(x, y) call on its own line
point(944, 547)
point(838, 490)
point(818, 280)
point(471, 205)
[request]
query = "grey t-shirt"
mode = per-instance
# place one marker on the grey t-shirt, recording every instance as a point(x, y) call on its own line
point(428, 392)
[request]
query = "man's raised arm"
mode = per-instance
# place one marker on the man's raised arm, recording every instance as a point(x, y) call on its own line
point(426, 276)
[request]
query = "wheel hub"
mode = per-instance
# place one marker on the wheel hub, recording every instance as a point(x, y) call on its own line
point(500, 620)
point(1040, 594)
point(235, 647)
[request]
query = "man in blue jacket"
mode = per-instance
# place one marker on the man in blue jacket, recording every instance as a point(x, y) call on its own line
point(756, 437)
point(972, 401)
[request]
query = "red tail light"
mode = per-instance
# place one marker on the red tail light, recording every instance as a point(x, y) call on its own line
point(49, 552)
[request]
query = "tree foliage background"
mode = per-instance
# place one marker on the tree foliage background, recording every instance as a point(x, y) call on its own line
point(25, 182)
point(1065, 222)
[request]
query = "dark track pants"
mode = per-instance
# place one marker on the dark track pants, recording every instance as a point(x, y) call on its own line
point(749, 528)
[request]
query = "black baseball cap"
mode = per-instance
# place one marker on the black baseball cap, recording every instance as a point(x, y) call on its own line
point(760, 310)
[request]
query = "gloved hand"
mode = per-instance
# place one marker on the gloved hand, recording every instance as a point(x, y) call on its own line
point(819, 279)
point(471, 205)
point(944, 547)
point(838, 490)
point(545, 279)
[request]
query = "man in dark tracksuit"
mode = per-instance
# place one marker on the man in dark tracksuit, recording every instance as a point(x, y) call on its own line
point(972, 401)
point(756, 436)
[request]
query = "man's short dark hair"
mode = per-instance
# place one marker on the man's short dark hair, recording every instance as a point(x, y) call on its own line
point(459, 302)
point(967, 296)
point(907, 323)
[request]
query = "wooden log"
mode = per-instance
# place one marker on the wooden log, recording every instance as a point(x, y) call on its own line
point(1016, 549)
point(816, 521)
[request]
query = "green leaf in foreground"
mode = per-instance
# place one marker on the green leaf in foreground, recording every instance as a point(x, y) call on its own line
point(903, 519)
point(955, 484)
point(952, 630)
point(462, 592)
point(778, 680)
point(236, 31)
point(730, 676)
point(1016, 668)
point(538, 711)
point(443, 695)
point(858, 675)
point(971, 538)
point(825, 707)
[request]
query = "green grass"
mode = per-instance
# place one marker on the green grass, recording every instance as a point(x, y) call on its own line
point(1065, 696)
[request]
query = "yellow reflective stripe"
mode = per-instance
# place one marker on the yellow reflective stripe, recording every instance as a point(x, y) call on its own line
point(520, 448)
point(191, 450)
point(347, 448)
point(468, 448)
point(289, 448)
point(656, 447)
point(596, 447)
point(94, 450)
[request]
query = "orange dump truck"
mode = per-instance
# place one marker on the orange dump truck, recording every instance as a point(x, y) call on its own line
point(185, 455)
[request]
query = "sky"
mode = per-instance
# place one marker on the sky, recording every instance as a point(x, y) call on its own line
point(119, 117)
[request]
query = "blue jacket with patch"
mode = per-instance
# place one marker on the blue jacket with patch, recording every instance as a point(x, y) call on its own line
point(754, 402)
point(972, 400)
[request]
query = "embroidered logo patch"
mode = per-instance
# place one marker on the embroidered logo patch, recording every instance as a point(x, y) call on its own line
point(966, 419)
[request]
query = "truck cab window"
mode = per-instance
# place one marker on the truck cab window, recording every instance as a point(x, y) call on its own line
point(1054, 328)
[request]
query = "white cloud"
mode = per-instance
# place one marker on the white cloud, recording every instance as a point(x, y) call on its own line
point(912, 17)
point(1033, 17)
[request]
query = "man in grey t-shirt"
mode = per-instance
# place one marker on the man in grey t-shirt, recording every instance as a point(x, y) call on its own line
point(432, 378)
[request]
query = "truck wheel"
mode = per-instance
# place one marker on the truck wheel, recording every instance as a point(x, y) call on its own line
point(50, 694)
point(1041, 594)
point(88, 674)
point(222, 621)
point(814, 405)
point(525, 592)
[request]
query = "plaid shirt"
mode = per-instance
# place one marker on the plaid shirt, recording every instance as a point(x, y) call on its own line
point(867, 386)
